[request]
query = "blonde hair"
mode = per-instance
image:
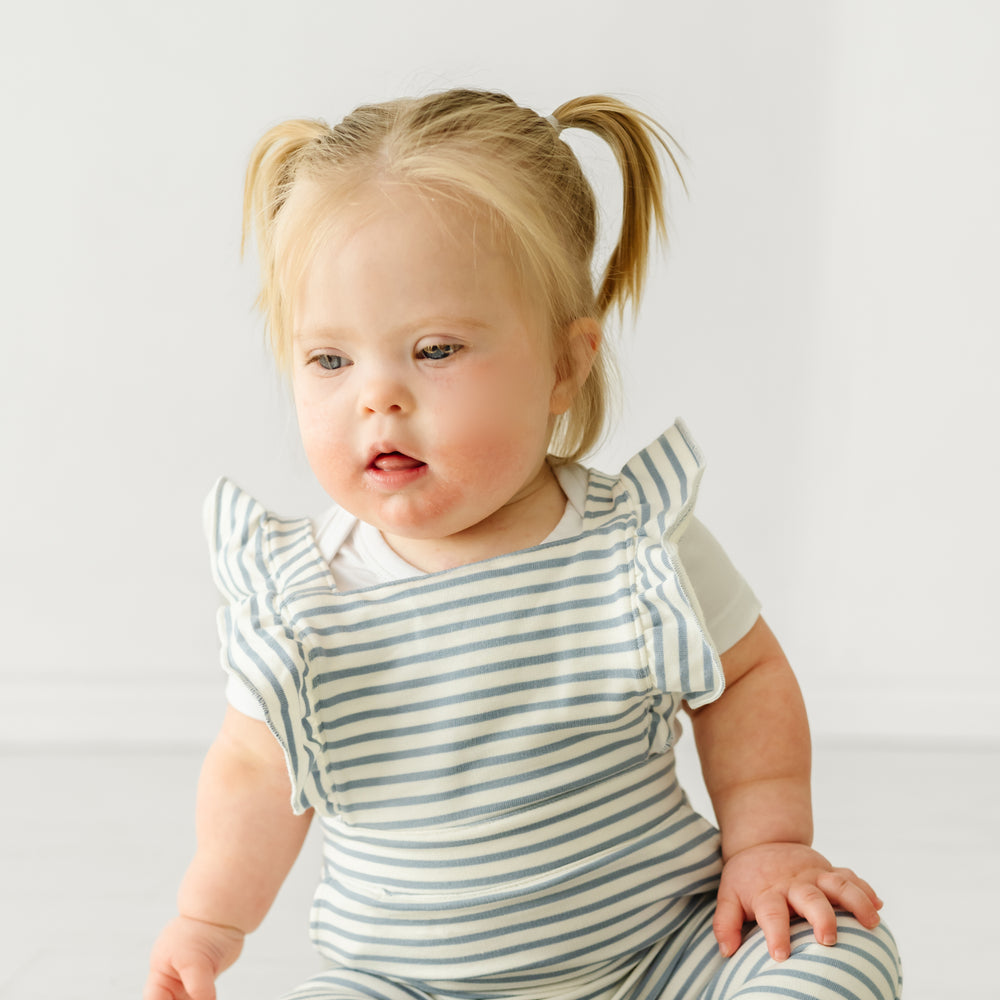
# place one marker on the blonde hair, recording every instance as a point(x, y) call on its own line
point(495, 155)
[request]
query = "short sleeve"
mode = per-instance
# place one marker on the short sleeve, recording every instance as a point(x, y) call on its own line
point(243, 700)
point(253, 557)
point(729, 606)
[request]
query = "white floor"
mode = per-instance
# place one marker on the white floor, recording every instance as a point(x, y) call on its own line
point(92, 845)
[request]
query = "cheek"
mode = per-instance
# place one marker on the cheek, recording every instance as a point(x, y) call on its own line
point(491, 437)
point(319, 437)
point(510, 398)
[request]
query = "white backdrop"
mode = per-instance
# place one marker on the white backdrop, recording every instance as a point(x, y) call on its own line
point(826, 321)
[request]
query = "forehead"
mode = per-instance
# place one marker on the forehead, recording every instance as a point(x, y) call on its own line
point(423, 250)
point(374, 219)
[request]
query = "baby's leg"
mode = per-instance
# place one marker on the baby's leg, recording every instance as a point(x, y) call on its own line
point(345, 984)
point(863, 965)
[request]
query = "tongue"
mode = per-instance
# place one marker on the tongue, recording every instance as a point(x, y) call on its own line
point(395, 462)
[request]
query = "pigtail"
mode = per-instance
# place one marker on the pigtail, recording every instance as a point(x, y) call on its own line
point(271, 173)
point(275, 163)
point(633, 138)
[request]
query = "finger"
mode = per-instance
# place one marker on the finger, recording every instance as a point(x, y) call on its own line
point(161, 987)
point(198, 979)
point(811, 903)
point(771, 913)
point(857, 897)
point(727, 925)
point(868, 890)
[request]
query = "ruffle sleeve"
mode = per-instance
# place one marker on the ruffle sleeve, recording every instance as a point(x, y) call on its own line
point(662, 483)
point(257, 560)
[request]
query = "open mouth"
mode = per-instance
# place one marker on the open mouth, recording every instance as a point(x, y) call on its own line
point(394, 461)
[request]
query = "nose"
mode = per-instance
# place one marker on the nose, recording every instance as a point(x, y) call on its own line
point(385, 391)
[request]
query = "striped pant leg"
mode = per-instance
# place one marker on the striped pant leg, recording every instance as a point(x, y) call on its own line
point(348, 984)
point(863, 965)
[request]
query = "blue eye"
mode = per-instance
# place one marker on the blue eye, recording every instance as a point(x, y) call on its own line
point(439, 352)
point(331, 362)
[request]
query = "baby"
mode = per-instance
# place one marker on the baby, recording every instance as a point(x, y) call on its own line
point(472, 666)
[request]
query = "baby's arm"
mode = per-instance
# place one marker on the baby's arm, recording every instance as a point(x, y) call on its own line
point(248, 838)
point(754, 747)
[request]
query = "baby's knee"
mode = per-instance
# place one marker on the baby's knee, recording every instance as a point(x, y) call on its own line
point(867, 957)
point(863, 965)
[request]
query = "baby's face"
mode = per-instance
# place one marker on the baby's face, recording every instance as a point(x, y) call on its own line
point(424, 382)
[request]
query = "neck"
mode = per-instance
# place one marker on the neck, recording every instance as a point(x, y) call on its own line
point(525, 521)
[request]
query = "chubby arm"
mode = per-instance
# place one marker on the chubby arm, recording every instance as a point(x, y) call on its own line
point(755, 754)
point(247, 840)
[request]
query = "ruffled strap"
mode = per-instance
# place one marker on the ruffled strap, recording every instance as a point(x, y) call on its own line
point(258, 560)
point(662, 484)
point(253, 549)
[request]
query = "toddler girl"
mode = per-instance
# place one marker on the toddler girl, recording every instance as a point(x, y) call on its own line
point(471, 668)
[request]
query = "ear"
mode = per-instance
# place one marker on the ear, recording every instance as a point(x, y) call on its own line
point(580, 343)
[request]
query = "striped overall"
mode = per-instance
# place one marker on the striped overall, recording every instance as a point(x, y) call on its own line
point(489, 750)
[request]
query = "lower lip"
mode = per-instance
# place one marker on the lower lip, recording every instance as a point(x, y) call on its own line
point(394, 479)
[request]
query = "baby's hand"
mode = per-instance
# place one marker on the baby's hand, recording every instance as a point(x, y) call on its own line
point(187, 958)
point(769, 882)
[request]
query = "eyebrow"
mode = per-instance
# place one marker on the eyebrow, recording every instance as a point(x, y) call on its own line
point(311, 332)
point(324, 331)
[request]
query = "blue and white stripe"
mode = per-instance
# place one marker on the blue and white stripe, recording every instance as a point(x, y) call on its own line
point(411, 702)
point(489, 747)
